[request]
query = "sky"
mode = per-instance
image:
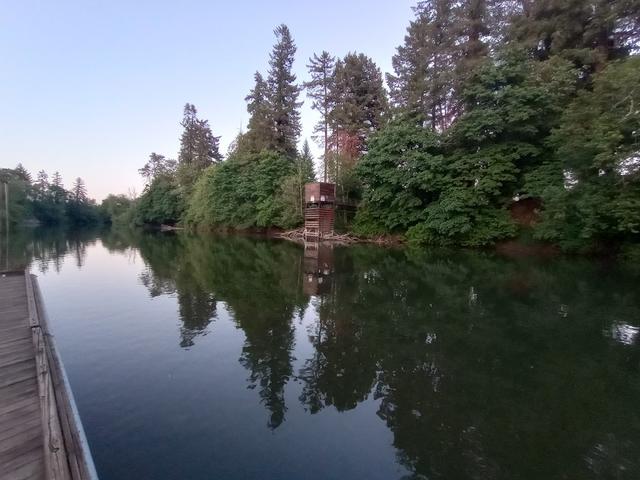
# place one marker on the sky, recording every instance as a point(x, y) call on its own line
point(91, 88)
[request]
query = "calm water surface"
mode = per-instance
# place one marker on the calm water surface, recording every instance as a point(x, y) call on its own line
point(196, 357)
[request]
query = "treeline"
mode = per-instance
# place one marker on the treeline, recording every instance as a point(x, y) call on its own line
point(45, 200)
point(502, 118)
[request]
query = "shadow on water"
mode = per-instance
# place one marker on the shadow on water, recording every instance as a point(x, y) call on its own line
point(481, 366)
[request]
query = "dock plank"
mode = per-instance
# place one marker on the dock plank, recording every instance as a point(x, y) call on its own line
point(39, 437)
point(39, 434)
point(21, 434)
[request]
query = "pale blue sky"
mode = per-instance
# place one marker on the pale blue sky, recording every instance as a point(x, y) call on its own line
point(91, 88)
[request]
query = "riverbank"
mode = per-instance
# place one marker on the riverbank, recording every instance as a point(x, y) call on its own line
point(298, 235)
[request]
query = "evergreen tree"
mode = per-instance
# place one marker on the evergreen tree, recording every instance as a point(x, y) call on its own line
point(79, 191)
point(305, 164)
point(198, 147)
point(587, 32)
point(260, 134)
point(56, 188)
point(41, 186)
point(360, 103)
point(207, 150)
point(22, 173)
point(321, 68)
point(424, 84)
point(283, 93)
point(189, 136)
point(444, 45)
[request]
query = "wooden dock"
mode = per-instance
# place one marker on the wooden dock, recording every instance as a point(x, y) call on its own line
point(40, 432)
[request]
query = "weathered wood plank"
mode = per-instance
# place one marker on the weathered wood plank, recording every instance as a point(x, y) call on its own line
point(55, 457)
point(21, 409)
point(17, 355)
point(16, 335)
point(12, 465)
point(20, 402)
point(18, 429)
point(39, 437)
point(17, 372)
point(26, 386)
point(21, 439)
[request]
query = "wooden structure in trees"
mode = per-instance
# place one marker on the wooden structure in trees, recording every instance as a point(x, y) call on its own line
point(40, 432)
point(319, 210)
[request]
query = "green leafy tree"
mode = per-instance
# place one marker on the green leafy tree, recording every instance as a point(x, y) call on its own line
point(403, 172)
point(242, 192)
point(596, 199)
point(15, 189)
point(161, 203)
point(115, 208)
point(157, 165)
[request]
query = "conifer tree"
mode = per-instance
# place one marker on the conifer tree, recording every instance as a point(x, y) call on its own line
point(283, 93)
point(41, 186)
point(56, 188)
point(587, 32)
point(360, 103)
point(189, 135)
point(305, 164)
point(260, 135)
point(79, 191)
point(198, 147)
point(23, 173)
point(445, 43)
point(423, 84)
point(321, 68)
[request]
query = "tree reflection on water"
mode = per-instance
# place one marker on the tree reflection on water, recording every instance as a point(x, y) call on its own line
point(481, 366)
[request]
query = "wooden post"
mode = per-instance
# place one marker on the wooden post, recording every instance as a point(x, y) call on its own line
point(6, 204)
point(6, 214)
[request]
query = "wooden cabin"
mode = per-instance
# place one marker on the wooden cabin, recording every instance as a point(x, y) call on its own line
point(320, 209)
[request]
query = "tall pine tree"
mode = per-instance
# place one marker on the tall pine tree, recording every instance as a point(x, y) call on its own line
point(587, 32)
point(306, 170)
point(260, 134)
point(321, 68)
point(423, 84)
point(445, 43)
point(283, 93)
point(79, 191)
point(199, 148)
point(359, 103)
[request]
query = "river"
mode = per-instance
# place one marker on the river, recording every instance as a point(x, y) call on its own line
point(209, 357)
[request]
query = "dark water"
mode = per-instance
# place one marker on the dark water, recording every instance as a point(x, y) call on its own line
point(195, 357)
